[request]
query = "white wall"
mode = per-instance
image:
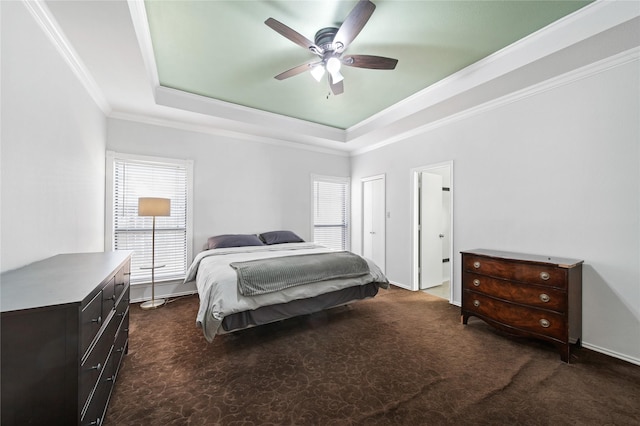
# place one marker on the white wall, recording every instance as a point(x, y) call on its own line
point(556, 173)
point(53, 143)
point(239, 186)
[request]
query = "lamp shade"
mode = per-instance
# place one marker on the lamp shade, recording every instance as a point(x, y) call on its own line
point(148, 206)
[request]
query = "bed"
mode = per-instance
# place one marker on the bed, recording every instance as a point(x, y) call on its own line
point(248, 280)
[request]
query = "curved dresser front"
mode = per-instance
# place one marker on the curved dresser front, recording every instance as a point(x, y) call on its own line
point(525, 295)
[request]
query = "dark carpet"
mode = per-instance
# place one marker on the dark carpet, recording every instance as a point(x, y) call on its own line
point(401, 358)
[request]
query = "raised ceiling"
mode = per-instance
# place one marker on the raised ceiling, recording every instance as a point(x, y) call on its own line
point(208, 66)
point(223, 50)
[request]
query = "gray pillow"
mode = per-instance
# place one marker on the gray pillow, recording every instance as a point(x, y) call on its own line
point(233, 240)
point(280, 237)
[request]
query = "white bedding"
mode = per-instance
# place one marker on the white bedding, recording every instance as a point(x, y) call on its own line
point(217, 282)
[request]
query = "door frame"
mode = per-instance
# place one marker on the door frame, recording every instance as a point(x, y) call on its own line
point(384, 203)
point(415, 220)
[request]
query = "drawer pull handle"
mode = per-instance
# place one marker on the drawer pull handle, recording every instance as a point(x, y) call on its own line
point(545, 276)
point(97, 367)
point(476, 282)
point(121, 349)
point(110, 378)
point(113, 297)
point(97, 320)
point(95, 422)
point(476, 303)
point(476, 264)
point(545, 323)
point(545, 297)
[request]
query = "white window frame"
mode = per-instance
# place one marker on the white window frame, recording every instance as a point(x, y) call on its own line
point(111, 157)
point(335, 179)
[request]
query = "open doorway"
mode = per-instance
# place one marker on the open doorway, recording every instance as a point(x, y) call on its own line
point(432, 229)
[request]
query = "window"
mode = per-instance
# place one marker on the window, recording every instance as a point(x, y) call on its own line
point(331, 211)
point(130, 177)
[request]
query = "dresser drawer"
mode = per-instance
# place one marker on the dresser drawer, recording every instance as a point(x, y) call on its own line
point(96, 361)
point(123, 304)
point(524, 294)
point(538, 321)
point(97, 404)
point(108, 297)
point(122, 281)
point(91, 370)
point(95, 409)
point(122, 340)
point(91, 319)
point(535, 274)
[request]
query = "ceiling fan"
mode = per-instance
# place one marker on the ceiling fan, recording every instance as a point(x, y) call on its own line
point(330, 44)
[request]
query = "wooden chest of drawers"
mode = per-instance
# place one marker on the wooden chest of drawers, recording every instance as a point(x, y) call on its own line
point(525, 295)
point(65, 327)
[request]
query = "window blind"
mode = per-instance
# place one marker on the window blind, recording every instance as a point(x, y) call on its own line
point(330, 212)
point(133, 179)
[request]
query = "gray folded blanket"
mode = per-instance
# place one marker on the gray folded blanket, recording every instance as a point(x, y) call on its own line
point(268, 275)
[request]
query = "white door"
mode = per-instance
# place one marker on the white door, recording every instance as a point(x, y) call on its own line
point(430, 230)
point(373, 221)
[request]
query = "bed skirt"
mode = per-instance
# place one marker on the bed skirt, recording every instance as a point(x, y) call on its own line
point(281, 311)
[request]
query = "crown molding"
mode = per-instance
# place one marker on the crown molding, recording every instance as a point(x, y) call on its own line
point(143, 34)
point(45, 20)
point(218, 131)
point(304, 131)
point(623, 58)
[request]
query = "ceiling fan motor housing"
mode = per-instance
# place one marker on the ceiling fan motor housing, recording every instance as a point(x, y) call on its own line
point(324, 38)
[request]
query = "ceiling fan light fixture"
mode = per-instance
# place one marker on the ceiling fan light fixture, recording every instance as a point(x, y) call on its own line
point(333, 68)
point(333, 65)
point(317, 72)
point(336, 77)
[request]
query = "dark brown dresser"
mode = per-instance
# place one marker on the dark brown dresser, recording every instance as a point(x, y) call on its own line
point(65, 327)
point(525, 295)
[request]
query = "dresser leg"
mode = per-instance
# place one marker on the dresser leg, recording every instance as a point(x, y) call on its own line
point(464, 318)
point(564, 352)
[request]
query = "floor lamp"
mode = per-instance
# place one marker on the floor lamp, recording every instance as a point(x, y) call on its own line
point(153, 207)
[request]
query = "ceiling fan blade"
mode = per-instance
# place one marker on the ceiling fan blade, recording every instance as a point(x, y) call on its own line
point(296, 70)
point(336, 88)
point(292, 35)
point(370, 61)
point(355, 22)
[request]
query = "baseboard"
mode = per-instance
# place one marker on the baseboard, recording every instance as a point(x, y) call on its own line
point(611, 353)
point(407, 287)
point(401, 285)
point(167, 289)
